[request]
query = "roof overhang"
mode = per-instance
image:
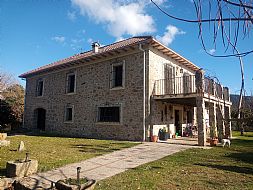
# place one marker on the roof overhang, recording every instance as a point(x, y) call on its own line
point(89, 56)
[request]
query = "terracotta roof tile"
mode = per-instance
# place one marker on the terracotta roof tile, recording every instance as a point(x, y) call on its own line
point(104, 49)
point(110, 48)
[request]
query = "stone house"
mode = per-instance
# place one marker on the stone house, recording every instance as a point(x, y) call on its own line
point(101, 94)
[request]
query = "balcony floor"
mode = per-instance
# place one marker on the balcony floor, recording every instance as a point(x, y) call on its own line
point(183, 100)
point(188, 99)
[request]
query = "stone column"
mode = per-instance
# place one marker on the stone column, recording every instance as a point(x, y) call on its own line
point(220, 122)
point(200, 121)
point(212, 119)
point(200, 103)
point(228, 133)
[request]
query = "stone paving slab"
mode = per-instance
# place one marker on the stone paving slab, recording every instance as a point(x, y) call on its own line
point(108, 165)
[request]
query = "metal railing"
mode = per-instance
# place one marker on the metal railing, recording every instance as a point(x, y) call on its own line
point(175, 86)
point(187, 85)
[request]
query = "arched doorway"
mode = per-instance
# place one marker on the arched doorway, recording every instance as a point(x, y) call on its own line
point(40, 115)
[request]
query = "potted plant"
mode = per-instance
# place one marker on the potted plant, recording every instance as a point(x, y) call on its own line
point(77, 183)
point(154, 138)
point(163, 134)
point(213, 138)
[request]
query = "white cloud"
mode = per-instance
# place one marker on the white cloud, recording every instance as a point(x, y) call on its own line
point(58, 39)
point(159, 2)
point(71, 15)
point(120, 17)
point(169, 35)
point(211, 51)
point(90, 40)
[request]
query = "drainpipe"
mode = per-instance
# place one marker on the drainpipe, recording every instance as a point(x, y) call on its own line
point(23, 122)
point(144, 91)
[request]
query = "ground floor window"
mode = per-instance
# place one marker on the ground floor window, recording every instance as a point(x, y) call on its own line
point(69, 113)
point(109, 114)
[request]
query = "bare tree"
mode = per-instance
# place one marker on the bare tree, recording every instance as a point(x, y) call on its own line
point(6, 80)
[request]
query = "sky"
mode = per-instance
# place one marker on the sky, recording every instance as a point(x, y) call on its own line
point(34, 33)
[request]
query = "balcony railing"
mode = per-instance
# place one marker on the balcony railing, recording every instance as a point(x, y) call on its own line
point(187, 85)
point(175, 86)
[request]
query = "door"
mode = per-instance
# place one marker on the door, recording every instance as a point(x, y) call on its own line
point(41, 119)
point(177, 122)
point(169, 79)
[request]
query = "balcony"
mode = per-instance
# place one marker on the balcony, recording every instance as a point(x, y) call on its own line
point(185, 87)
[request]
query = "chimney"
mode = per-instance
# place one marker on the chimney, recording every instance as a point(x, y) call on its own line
point(95, 46)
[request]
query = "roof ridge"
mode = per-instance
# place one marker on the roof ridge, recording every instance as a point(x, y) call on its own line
point(87, 53)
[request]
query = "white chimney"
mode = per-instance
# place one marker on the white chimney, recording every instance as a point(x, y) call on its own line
point(95, 46)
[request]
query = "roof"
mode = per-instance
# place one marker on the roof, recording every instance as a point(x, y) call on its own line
point(110, 50)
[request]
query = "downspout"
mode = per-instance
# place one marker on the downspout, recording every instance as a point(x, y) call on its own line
point(23, 118)
point(144, 92)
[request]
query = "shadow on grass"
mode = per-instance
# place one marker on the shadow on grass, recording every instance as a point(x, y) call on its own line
point(237, 169)
point(246, 157)
point(2, 172)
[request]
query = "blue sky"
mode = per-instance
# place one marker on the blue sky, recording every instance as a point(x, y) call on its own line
point(37, 32)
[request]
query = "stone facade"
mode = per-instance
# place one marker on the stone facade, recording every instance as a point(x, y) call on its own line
point(92, 90)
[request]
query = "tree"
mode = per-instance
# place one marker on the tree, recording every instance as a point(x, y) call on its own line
point(6, 116)
point(11, 101)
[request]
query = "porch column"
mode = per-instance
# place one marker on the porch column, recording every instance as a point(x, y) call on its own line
point(227, 114)
point(212, 119)
point(220, 122)
point(200, 121)
point(200, 103)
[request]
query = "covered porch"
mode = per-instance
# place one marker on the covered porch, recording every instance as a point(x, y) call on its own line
point(196, 107)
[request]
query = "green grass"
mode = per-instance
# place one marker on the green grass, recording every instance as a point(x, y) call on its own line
point(216, 168)
point(53, 152)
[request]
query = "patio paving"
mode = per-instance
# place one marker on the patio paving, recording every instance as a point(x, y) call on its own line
point(105, 166)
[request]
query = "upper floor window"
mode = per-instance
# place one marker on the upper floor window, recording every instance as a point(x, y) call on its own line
point(109, 114)
point(71, 83)
point(118, 75)
point(40, 87)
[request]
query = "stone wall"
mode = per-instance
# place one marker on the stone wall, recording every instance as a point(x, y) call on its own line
point(92, 90)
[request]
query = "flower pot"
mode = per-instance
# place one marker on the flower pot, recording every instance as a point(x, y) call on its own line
point(3, 136)
point(63, 185)
point(154, 138)
point(213, 142)
point(161, 136)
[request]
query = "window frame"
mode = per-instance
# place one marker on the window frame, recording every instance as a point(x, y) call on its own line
point(110, 122)
point(65, 114)
point(112, 75)
point(68, 84)
point(37, 87)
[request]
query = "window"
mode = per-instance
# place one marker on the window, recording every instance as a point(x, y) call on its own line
point(40, 87)
point(69, 113)
point(117, 75)
point(109, 114)
point(71, 83)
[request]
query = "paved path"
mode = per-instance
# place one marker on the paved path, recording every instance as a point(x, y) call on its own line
point(107, 165)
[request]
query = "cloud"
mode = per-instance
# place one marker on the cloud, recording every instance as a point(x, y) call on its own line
point(90, 40)
point(120, 17)
point(169, 35)
point(159, 2)
point(77, 43)
point(58, 39)
point(211, 51)
point(71, 16)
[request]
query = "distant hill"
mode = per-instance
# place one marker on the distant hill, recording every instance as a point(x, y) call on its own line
point(247, 101)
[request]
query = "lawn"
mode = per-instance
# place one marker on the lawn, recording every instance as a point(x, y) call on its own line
point(216, 168)
point(53, 152)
